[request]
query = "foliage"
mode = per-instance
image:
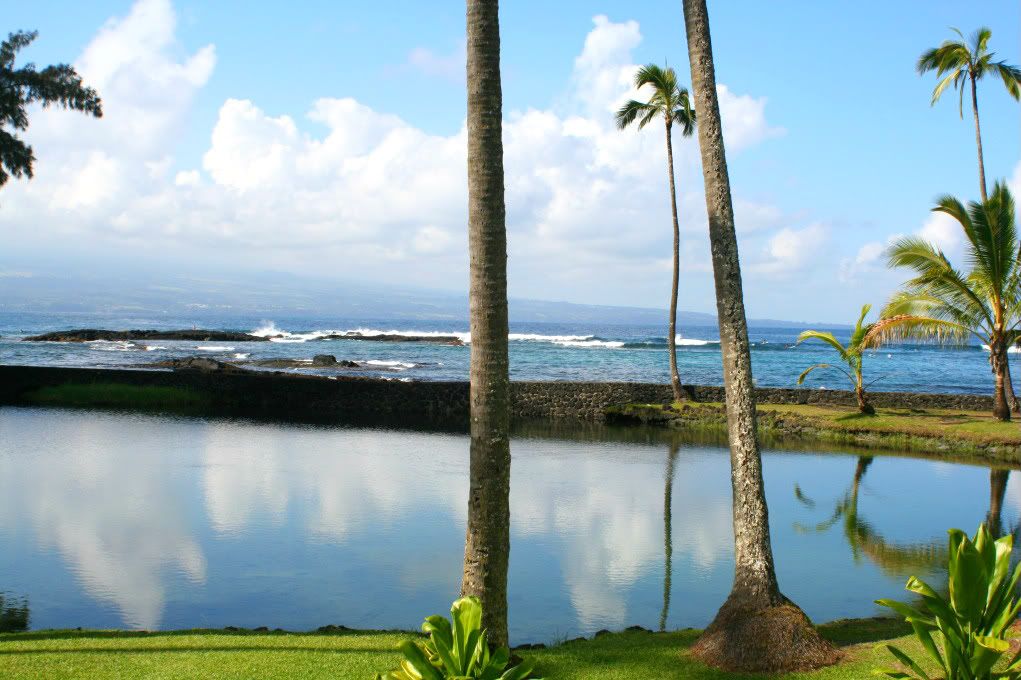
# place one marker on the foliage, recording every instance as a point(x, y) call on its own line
point(946, 304)
point(966, 633)
point(668, 101)
point(852, 355)
point(956, 61)
point(20, 87)
point(456, 649)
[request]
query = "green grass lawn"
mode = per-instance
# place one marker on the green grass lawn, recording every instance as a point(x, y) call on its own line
point(630, 655)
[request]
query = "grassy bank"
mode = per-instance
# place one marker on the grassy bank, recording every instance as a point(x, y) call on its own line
point(929, 430)
point(630, 655)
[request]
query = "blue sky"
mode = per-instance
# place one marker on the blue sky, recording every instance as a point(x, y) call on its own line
point(840, 148)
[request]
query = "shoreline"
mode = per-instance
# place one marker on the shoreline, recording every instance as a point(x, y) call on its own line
point(936, 424)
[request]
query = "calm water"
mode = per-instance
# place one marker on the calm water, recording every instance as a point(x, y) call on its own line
point(111, 520)
point(539, 351)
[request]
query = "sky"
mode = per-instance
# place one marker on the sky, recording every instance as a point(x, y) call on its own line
point(328, 139)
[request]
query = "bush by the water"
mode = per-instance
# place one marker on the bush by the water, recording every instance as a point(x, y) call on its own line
point(456, 649)
point(966, 633)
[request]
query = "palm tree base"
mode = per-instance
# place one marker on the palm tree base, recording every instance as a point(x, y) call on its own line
point(772, 639)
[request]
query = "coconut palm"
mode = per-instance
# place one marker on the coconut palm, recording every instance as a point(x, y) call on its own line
point(668, 535)
point(20, 88)
point(487, 541)
point(961, 63)
point(757, 628)
point(670, 102)
point(852, 355)
point(946, 304)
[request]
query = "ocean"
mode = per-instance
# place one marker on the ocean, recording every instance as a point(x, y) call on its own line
point(538, 351)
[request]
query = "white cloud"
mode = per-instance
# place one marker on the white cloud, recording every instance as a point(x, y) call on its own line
point(373, 196)
point(431, 63)
point(943, 231)
point(789, 251)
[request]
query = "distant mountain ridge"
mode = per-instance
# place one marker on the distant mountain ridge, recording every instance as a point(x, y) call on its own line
point(274, 294)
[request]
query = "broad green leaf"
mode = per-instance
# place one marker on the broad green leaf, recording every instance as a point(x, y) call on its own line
point(907, 661)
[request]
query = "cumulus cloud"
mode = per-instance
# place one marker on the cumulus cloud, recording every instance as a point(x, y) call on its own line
point(373, 196)
point(431, 63)
point(790, 251)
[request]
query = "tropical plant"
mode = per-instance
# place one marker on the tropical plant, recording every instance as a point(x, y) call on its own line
point(962, 63)
point(20, 87)
point(487, 538)
point(757, 628)
point(852, 355)
point(670, 102)
point(946, 304)
point(965, 634)
point(456, 650)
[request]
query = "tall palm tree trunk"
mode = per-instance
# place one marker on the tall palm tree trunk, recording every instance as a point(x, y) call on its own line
point(668, 534)
point(998, 360)
point(487, 541)
point(1008, 385)
point(675, 380)
point(978, 140)
point(757, 628)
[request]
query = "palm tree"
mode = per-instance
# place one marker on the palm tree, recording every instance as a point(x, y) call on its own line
point(946, 304)
point(487, 541)
point(957, 62)
point(757, 628)
point(960, 63)
point(852, 355)
point(670, 102)
point(21, 87)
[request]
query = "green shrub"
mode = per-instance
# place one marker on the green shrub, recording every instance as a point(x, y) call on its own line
point(966, 634)
point(456, 650)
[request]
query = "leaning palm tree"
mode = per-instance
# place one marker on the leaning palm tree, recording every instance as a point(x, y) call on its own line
point(670, 102)
point(961, 63)
point(487, 541)
point(945, 304)
point(757, 628)
point(852, 355)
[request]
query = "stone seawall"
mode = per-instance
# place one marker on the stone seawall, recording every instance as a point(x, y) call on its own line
point(306, 397)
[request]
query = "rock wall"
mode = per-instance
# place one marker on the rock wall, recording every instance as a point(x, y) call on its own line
point(299, 397)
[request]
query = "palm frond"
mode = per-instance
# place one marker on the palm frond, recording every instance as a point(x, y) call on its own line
point(627, 114)
point(828, 338)
point(902, 326)
point(1011, 76)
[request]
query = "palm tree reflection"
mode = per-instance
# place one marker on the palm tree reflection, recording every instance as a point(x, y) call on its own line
point(14, 614)
point(668, 549)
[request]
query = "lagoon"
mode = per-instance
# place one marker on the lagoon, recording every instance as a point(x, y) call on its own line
point(118, 520)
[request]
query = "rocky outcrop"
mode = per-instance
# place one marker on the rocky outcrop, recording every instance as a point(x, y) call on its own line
point(318, 361)
point(204, 364)
point(195, 335)
point(452, 340)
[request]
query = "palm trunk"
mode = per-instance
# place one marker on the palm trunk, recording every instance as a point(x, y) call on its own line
point(998, 360)
point(487, 541)
point(997, 491)
point(675, 380)
point(668, 536)
point(863, 401)
point(978, 141)
point(757, 628)
point(1008, 385)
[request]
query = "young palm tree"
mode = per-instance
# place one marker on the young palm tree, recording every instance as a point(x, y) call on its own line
point(670, 102)
point(946, 304)
point(852, 355)
point(961, 63)
point(487, 541)
point(22, 87)
point(757, 628)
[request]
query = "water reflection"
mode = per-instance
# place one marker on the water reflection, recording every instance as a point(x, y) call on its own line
point(108, 520)
point(865, 541)
point(14, 614)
